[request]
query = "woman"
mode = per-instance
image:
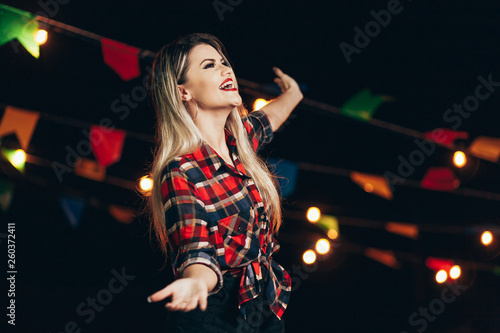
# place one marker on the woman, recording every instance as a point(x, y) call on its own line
point(214, 204)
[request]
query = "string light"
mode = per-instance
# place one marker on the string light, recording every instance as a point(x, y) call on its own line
point(459, 159)
point(41, 36)
point(313, 214)
point(441, 276)
point(19, 158)
point(259, 103)
point(309, 257)
point(322, 246)
point(486, 238)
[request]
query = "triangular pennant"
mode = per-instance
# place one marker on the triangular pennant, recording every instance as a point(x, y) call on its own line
point(287, 172)
point(486, 148)
point(106, 144)
point(437, 264)
point(16, 23)
point(21, 122)
point(6, 193)
point(440, 179)
point(373, 184)
point(122, 214)
point(90, 169)
point(385, 257)
point(122, 58)
point(403, 229)
point(73, 208)
point(445, 136)
point(362, 105)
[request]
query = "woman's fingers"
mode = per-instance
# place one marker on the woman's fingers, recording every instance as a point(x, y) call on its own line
point(162, 294)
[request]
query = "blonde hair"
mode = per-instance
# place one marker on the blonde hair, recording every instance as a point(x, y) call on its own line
point(176, 133)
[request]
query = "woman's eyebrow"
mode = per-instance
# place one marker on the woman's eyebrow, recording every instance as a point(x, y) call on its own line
point(222, 59)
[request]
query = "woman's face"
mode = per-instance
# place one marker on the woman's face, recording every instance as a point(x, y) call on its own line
point(206, 75)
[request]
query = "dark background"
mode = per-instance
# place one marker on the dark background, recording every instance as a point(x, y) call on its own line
point(428, 57)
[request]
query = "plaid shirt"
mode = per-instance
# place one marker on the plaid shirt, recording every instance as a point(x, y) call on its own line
point(215, 216)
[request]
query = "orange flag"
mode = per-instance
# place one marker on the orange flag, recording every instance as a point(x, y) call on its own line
point(486, 148)
point(372, 183)
point(21, 122)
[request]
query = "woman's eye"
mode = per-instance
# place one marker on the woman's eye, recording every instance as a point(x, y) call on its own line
point(209, 65)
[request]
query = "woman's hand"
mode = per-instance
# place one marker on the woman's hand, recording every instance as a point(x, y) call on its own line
point(284, 81)
point(187, 293)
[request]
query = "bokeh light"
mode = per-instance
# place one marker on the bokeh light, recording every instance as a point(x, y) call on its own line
point(486, 238)
point(41, 36)
point(455, 272)
point(322, 246)
point(313, 214)
point(441, 276)
point(309, 257)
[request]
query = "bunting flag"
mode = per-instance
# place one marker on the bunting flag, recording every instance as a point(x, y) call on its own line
point(287, 172)
point(440, 179)
point(21, 25)
point(402, 229)
point(122, 214)
point(90, 169)
point(373, 184)
point(6, 192)
point(21, 122)
point(107, 144)
point(73, 208)
point(437, 264)
point(362, 105)
point(445, 136)
point(385, 257)
point(122, 58)
point(486, 148)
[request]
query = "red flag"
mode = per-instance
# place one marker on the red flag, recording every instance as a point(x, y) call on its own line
point(445, 136)
point(440, 179)
point(122, 58)
point(106, 144)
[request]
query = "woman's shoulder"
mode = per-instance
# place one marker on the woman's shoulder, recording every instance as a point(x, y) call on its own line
point(182, 166)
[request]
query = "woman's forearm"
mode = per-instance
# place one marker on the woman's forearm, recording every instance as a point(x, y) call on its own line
point(280, 108)
point(202, 273)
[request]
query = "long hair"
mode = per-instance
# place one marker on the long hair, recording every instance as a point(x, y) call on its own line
point(176, 133)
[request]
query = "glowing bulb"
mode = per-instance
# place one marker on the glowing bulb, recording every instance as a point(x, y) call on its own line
point(441, 276)
point(313, 214)
point(309, 257)
point(259, 103)
point(459, 159)
point(486, 238)
point(322, 246)
point(19, 158)
point(332, 234)
point(368, 187)
point(455, 272)
point(41, 36)
point(146, 184)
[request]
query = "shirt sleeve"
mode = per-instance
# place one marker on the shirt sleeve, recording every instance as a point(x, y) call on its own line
point(186, 223)
point(259, 129)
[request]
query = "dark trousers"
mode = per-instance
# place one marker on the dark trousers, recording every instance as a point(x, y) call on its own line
point(223, 316)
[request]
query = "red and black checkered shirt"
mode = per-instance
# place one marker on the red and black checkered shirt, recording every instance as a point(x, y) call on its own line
point(215, 216)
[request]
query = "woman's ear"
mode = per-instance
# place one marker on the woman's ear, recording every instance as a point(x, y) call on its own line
point(185, 95)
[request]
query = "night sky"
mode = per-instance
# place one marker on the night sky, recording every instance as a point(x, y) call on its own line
point(427, 55)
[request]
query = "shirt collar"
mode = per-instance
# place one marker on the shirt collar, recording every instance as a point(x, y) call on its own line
point(210, 162)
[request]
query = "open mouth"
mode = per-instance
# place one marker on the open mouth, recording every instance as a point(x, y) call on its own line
point(227, 85)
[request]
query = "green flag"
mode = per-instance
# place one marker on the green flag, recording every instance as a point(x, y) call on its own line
point(362, 105)
point(16, 23)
